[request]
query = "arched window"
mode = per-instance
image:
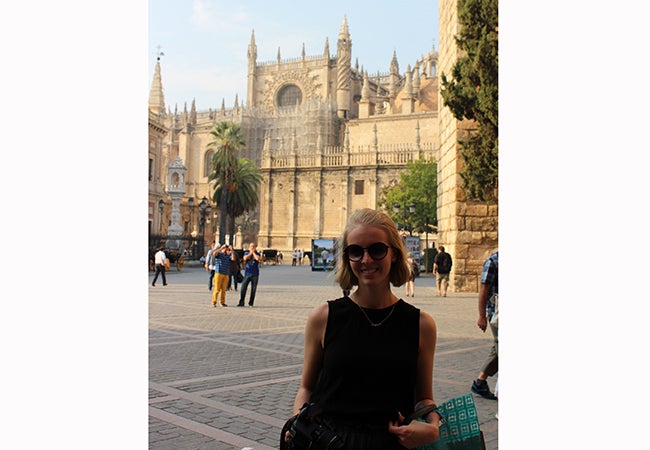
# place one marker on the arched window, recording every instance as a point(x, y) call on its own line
point(207, 163)
point(289, 95)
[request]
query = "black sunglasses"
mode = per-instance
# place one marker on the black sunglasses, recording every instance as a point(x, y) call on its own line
point(377, 251)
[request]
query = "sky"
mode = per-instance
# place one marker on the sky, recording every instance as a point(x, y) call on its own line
point(205, 42)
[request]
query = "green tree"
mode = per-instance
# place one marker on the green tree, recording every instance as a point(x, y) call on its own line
point(472, 93)
point(227, 141)
point(245, 197)
point(418, 187)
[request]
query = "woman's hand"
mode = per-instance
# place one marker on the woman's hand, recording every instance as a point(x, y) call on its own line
point(415, 433)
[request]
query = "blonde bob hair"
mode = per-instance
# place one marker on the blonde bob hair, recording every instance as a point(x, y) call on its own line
point(399, 271)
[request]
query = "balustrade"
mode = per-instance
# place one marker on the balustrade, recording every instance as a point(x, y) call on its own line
point(337, 156)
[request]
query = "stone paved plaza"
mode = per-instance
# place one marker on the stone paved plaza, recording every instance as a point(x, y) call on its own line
point(226, 378)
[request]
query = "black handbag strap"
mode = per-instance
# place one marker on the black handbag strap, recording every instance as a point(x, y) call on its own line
point(420, 412)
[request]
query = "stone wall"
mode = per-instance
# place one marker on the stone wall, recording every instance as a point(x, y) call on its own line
point(467, 230)
point(301, 203)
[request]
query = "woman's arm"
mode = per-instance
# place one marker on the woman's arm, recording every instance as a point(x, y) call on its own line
point(419, 433)
point(426, 351)
point(313, 355)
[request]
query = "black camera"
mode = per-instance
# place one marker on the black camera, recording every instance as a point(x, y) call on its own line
point(307, 434)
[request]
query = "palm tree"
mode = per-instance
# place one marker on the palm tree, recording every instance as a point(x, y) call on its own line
point(227, 141)
point(245, 197)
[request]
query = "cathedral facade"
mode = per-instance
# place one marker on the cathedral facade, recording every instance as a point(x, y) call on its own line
point(328, 138)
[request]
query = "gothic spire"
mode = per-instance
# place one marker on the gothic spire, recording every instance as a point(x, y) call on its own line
point(343, 71)
point(393, 78)
point(156, 97)
point(326, 52)
point(365, 90)
point(394, 66)
point(252, 50)
point(345, 32)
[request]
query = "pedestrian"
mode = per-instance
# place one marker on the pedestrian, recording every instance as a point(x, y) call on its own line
point(324, 254)
point(368, 357)
point(235, 268)
point(441, 267)
point(294, 257)
point(251, 274)
point(487, 295)
point(160, 261)
point(410, 283)
point(223, 257)
point(209, 264)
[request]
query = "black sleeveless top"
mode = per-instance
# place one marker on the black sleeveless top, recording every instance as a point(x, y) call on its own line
point(368, 373)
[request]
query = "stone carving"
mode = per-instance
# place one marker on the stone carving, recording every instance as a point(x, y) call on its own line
point(307, 83)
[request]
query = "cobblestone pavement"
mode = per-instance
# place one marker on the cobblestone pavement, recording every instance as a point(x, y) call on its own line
point(226, 378)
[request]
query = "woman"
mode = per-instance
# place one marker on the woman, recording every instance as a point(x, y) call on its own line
point(368, 357)
point(410, 283)
point(235, 268)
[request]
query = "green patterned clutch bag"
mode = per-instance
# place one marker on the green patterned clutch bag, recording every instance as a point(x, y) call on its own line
point(459, 429)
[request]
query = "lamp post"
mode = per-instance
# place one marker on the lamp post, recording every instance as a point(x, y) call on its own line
point(426, 244)
point(161, 205)
point(411, 210)
point(204, 209)
point(190, 206)
point(194, 249)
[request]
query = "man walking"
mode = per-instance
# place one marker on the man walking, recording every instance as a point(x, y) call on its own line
point(160, 260)
point(488, 292)
point(251, 274)
point(441, 267)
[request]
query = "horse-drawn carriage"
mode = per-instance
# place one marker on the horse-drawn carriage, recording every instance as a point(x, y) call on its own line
point(174, 256)
point(270, 256)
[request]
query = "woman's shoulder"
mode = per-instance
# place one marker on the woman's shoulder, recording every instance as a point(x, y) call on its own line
point(340, 303)
point(321, 312)
point(406, 305)
point(318, 316)
point(408, 310)
point(427, 324)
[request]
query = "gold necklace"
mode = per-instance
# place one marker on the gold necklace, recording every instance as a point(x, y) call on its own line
point(372, 324)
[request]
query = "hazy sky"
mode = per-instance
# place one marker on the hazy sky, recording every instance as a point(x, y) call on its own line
point(205, 42)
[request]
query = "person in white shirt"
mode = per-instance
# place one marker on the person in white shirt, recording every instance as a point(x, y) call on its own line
point(160, 260)
point(210, 264)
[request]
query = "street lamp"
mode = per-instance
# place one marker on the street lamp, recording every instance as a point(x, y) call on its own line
point(204, 209)
point(161, 205)
point(190, 205)
point(411, 210)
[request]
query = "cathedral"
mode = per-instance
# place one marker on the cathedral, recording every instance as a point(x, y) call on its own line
point(327, 136)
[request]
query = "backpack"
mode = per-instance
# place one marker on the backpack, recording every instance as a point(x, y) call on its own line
point(444, 263)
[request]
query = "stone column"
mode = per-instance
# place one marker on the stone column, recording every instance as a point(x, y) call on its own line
point(176, 190)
